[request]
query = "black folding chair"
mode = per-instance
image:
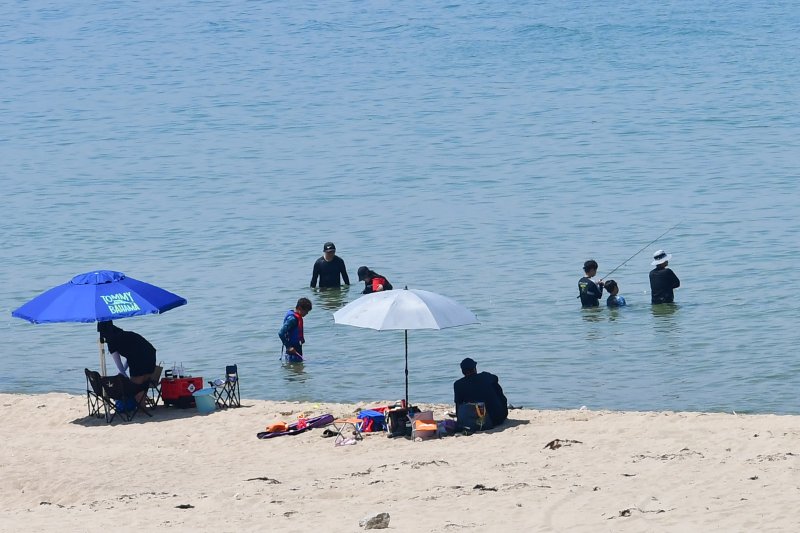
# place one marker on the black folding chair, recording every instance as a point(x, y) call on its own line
point(94, 394)
point(154, 388)
point(226, 390)
point(120, 393)
point(110, 396)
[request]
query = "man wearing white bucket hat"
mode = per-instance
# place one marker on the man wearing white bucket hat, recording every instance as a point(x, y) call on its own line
point(662, 279)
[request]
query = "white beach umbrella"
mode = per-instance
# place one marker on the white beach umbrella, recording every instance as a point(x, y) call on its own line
point(404, 309)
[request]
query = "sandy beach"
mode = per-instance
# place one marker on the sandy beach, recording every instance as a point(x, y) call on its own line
point(183, 471)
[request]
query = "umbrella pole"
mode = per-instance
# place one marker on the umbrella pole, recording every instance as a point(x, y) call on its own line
point(102, 348)
point(407, 406)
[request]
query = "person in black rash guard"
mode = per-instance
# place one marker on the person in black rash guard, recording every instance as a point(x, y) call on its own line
point(139, 354)
point(329, 268)
point(588, 291)
point(662, 279)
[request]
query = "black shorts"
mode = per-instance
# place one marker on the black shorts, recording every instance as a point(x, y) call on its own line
point(142, 364)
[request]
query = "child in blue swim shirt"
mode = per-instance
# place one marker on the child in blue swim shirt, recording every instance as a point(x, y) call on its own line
point(614, 300)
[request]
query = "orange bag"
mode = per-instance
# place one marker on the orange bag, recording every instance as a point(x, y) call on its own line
point(277, 427)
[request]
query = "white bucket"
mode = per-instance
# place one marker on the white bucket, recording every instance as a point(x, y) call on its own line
point(205, 401)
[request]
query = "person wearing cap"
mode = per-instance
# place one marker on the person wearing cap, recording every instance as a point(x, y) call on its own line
point(373, 282)
point(329, 268)
point(291, 332)
point(662, 279)
point(588, 291)
point(484, 387)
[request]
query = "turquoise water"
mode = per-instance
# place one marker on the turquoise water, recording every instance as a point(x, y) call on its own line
point(476, 150)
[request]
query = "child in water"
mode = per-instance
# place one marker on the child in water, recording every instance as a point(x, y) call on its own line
point(614, 300)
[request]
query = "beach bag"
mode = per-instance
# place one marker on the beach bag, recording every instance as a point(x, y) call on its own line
point(423, 426)
point(424, 429)
point(473, 417)
point(277, 427)
point(129, 404)
point(372, 421)
point(398, 423)
point(446, 427)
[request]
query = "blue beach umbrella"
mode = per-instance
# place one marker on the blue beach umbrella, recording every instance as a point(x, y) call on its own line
point(95, 297)
point(98, 296)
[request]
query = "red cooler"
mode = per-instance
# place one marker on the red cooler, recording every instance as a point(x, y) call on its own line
point(178, 391)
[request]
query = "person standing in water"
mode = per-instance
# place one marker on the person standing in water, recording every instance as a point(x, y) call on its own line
point(329, 268)
point(588, 291)
point(291, 332)
point(662, 279)
point(614, 299)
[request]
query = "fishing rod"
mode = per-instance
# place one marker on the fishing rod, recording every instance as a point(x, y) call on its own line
point(641, 249)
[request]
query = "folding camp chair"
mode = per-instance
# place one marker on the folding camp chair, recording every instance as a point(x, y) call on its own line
point(121, 397)
point(154, 388)
point(100, 403)
point(117, 394)
point(94, 394)
point(226, 390)
point(345, 427)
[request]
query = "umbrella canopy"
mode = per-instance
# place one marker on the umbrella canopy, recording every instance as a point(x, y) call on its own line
point(404, 309)
point(98, 296)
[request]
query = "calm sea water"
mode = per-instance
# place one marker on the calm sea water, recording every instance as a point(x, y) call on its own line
point(478, 150)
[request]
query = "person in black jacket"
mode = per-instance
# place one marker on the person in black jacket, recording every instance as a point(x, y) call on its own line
point(139, 354)
point(483, 387)
point(328, 268)
point(662, 279)
point(588, 291)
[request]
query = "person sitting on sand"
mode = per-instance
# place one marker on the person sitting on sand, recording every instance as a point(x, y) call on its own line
point(291, 332)
point(480, 387)
point(614, 299)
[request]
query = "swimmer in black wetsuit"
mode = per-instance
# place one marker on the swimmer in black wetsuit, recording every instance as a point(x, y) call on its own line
point(328, 268)
point(662, 279)
point(588, 291)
